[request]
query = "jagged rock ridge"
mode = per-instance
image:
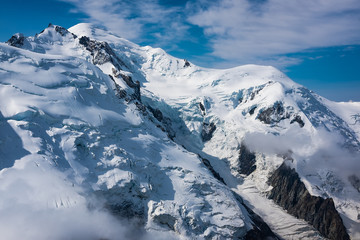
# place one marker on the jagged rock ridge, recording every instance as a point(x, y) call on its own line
point(133, 122)
point(290, 193)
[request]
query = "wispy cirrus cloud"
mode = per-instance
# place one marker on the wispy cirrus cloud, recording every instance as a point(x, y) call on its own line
point(243, 30)
point(141, 21)
point(237, 31)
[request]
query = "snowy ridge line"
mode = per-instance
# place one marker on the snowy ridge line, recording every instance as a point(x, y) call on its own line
point(104, 146)
point(237, 120)
point(286, 87)
point(132, 123)
point(310, 233)
point(260, 228)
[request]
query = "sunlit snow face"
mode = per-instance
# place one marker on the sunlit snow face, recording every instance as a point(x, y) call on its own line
point(40, 203)
point(314, 41)
point(66, 116)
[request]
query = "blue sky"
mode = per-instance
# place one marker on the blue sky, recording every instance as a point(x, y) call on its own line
point(315, 42)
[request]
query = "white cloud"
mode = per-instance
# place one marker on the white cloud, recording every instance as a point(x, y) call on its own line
point(313, 151)
point(36, 202)
point(140, 21)
point(237, 31)
point(39, 202)
point(244, 31)
point(112, 14)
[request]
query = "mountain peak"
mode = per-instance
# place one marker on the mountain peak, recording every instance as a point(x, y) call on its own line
point(54, 33)
point(96, 32)
point(17, 40)
point(171, 145)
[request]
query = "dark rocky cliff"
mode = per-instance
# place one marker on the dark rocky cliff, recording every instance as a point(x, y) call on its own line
point(247, 161)
point(207, 131)
point(290, 193)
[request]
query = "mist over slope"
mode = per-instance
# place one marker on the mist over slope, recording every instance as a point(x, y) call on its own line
point(100, 131)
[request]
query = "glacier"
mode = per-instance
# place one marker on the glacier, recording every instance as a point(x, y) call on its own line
point(103, 139)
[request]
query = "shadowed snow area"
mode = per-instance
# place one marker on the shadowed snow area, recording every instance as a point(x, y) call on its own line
point(11, 147)
point(99, 131)
point(92, 157)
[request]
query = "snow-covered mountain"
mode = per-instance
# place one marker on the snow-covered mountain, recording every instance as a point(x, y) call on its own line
point(103, 139)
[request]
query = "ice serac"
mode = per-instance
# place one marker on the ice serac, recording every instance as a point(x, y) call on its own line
point(275, 118)
point(71, 105)
point(168, 146)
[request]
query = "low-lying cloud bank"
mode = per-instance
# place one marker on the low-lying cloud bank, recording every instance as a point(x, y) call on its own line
point(39, 202)
point(312, 153)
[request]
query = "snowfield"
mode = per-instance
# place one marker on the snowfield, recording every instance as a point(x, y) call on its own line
point(103, 139)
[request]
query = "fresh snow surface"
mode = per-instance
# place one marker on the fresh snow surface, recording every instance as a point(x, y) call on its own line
point(285, 224)
point(76, 146)
point(349, 111)
point(325, 151)
point(70, 145)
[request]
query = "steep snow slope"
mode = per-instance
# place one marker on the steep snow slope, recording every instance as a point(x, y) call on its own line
point(77, 145)
point(349, 111)
point(71, 105)
point(216, 112)
point(260, 108)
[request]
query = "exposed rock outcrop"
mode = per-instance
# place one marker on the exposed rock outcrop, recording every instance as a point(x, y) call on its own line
point(207, 131)
point(120, 93)
point(157, 113)
point(101, 52)
point(211, 169)
point(166, 122)
point(252, 110)
point(247, 160)
point(134, 85)
point(129, 81)
point(273, 114)
point(260, 230)
point(202, 108)
point(277, 113)
point(186, 64)
point(17, 40)
point(256, 92)
point(63, 31)
point(290, 193)
point(298, 119)
point(165, 220)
